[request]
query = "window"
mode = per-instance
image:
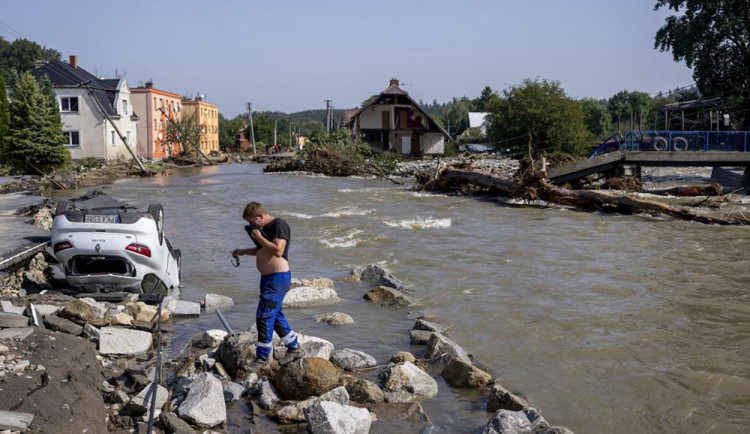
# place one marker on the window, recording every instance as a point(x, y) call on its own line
point(74, 138)
point(129, 143)
point(124, 106)
point(69, 104)
point(114, 140)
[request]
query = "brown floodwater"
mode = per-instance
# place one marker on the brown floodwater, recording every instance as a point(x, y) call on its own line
point(605, 323)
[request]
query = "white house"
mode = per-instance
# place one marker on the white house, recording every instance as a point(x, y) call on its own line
point(92, 111)
point(479, 120)
point(394, 121)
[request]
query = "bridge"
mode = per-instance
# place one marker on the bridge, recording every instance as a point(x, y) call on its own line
point(625, 155)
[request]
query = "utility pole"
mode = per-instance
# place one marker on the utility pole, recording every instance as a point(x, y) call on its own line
point(275, 122)
point(252, 129)
point(328, 116)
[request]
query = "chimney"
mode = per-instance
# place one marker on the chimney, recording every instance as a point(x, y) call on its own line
point(74, 61)
point(394, 82)
point(149, 84)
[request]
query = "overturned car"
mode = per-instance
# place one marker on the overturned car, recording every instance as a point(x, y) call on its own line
point(103, 244)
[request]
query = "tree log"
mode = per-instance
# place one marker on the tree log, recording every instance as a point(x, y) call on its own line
point(701, 190)
point(584, 199)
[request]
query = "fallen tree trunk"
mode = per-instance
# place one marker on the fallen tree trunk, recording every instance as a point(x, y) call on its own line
point(713, 189)
point(584, 199)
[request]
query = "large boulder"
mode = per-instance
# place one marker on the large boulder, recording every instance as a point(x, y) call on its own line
point(214, 302)
point(335, 318)
point(527, 421)
point(350, 360)
point(85, 310)
point(12, 320)
point(325, 417)
point(174, 425)
point(364, 392)
point(310, 296)
point(55, 323)
point(317, 282)
point(268, 395)
point(213, 338)
point(315, 346)
point(236, 351)
point(141, 403)
point(407, 383)
point(503, 399)
point(380, 276)
point(117, 341)
point(295, 412)
point(386, 296)
point(422, 324)
point(463, 374)
point(442, 351)
point(204, 405)
point(308, 377)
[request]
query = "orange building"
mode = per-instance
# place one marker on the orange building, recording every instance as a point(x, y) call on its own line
point(153, 106)
point(207, 116)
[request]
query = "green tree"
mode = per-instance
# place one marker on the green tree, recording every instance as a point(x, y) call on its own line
point(480, 104)
point(4, 114)
point(596, 117)
point(456, 115)
point(713, 38)
point(228, 131)
point(34, 136)
point(20, 56)
point(542, 109)
point(626, 105)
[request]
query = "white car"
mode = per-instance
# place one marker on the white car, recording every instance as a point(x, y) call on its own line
point(112, 246)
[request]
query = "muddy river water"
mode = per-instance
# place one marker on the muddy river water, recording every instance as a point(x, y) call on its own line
point(605, 323)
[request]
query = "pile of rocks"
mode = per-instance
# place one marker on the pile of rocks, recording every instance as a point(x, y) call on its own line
point(493, 164)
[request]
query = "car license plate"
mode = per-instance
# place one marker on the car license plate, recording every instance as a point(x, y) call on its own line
point(97, 218)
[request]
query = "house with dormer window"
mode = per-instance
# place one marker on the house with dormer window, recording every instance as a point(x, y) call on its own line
point(93, 110)
point(393, 121)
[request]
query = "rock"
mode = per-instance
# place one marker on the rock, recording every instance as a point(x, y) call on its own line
point(448, 351)
point(118, 341)
point(213, 338)
point(365, 392)
point(8, 307)
point(407, 383)
point(233, 391)
point(422, 324)
point(295, 412)
point(556, 430)
point(206, 362)
point(121, 319)
point(306, 377)
point(149, 313)
point(502, 399)
point(386, 296)
point(463, 374)
point(403, 356)
point(315, 346)
point(335, 318)
point(91, 332)
point(14, 421)
point(380, 276)
point(174, 425)
point(214, 302)
point(420, 337)
point(46, 309)
point(250, 381)
point(185, 308)
point(310, 296)
point(85, 310)
point(416, 413)
point(236, 352)
point(16, 333)
point(325, 417)
point(350, 360)
point(55, 323)
point(204, 405)
point(139, 404)
point(4, 350)
point(318, 282)
point(527, 421)
point(12, 320)
point(268, 396)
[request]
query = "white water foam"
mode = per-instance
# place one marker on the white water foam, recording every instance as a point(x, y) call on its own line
point(341, 212)
point(419, 223)
point(348, 240)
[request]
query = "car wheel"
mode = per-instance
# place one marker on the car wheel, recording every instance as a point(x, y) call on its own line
point(62, 206)
point(178, 258)
point(157, 212)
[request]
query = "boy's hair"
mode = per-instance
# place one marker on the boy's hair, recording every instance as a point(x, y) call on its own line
point(253, 209)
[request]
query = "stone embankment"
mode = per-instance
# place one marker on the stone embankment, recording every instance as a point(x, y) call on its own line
point(96, 360)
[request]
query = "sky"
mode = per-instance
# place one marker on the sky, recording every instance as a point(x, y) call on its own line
point(292, 55)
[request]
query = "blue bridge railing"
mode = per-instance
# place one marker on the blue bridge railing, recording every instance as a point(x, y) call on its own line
point(676, 141)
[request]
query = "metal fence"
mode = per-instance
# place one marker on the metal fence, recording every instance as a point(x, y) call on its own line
point(676, 141)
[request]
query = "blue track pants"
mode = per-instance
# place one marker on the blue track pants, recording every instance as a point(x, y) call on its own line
point(269, 318)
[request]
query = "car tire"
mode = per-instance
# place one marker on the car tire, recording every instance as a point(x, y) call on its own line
point(178, 258)
point(157, 213)
point(62, 206)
